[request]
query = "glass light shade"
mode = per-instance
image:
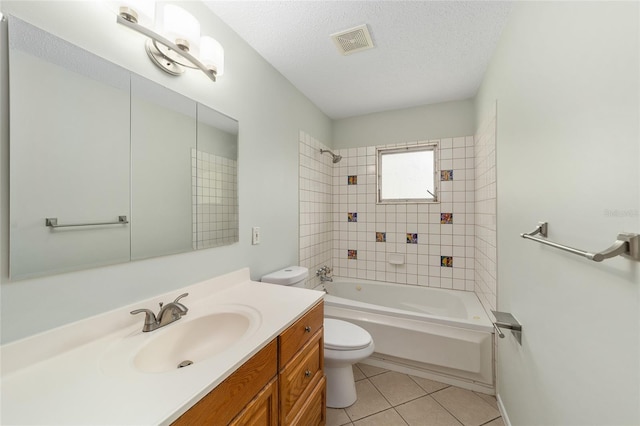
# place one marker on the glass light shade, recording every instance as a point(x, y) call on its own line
point(181, 25)
point(145, 9)
point(212, 54)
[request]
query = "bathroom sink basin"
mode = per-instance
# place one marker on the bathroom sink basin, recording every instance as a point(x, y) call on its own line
point(188, 342)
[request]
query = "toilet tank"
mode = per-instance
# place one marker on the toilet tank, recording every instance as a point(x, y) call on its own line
point(292, 275)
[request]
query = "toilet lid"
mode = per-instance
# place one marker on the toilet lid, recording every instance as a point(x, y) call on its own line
point(342, 335)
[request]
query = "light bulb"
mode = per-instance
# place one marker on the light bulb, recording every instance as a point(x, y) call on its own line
point(212, 54)
point(182, 28)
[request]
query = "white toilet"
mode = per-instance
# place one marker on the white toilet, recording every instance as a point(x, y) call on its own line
point(344, 344)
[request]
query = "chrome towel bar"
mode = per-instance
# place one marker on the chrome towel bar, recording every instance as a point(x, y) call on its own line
point(52, 222)
point(627, 245)
point(508, 321)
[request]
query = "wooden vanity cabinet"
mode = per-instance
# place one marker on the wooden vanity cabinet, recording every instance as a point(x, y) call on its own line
point(283, 384)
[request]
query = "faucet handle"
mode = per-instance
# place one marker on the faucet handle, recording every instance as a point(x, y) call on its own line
point(180, 297)
point(150, 317)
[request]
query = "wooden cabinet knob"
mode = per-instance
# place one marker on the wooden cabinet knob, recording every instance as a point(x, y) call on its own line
point(307, 329)
point(307, 373)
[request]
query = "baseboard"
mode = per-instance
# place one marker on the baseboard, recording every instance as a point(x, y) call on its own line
point(503, 411)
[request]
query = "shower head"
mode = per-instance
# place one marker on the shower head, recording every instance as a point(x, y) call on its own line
point(336, 158)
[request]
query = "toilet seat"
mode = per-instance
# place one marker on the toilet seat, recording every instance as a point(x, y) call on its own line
point(344, 336)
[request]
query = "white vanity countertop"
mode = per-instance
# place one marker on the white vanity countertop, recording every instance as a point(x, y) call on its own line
point(70, 376)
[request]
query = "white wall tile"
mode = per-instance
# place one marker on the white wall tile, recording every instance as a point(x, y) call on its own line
point(325, 234)
point(485, 213)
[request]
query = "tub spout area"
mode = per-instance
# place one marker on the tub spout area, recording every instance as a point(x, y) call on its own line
point(323, 273)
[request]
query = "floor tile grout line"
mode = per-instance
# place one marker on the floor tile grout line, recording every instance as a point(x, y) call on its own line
point(486, 402)
point(403, 419)
point(454, 416)
point(486, 423)
point(429, 393)
point(376, 413)
point(381, 394)
point(445, 408)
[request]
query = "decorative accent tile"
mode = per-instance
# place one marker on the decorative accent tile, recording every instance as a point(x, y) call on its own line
point(412, 238)
point(381, 237)
point(446, 174)
point(352, 254)
point(446, 218)
point(446, 261)
point(352, 180)
point(352, 217)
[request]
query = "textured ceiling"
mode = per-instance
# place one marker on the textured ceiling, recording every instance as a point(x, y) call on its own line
point(426, 51)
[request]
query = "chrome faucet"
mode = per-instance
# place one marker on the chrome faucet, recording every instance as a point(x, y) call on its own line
point(168, 313)
point(323, 273)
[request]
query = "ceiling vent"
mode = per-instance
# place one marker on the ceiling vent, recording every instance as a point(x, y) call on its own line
point(353, 40)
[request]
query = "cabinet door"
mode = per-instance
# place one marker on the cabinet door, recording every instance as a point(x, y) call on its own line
point(314, 411)
point(263, 410)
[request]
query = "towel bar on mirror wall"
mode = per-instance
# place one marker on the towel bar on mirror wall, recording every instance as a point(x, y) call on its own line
point(627, 245)
point(52, 222)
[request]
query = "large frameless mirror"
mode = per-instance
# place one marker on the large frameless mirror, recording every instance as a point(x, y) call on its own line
point(117, 168)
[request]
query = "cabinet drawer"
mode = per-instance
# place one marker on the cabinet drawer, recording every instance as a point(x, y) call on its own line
point(224, 402)
point(298, 334)
point(300, 376)
point(314, 411)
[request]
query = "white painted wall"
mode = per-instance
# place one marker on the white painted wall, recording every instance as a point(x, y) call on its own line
point(436, 121)
point(565, 76)
point(270, 111)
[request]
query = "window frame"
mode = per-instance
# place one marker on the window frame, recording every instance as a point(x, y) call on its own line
point(431, 146)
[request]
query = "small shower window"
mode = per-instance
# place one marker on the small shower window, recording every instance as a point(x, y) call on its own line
point(408, 174)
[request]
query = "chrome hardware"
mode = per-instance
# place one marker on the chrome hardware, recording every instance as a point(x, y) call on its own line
point(506, 320)
point(307, 329)
point(323, 273)
point(168, 313)
point(185, 363)
point(626, 245)
point(52, 222)
point(336, 157)
point(498, 331)
point(307, 373)
point(167, 47)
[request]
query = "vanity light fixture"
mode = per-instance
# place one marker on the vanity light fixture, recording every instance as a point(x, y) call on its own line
point(181, 45)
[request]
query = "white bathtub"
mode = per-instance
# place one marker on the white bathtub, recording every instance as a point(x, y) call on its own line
point(439, 334)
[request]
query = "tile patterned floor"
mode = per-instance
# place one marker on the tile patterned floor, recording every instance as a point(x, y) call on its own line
point(387, 398)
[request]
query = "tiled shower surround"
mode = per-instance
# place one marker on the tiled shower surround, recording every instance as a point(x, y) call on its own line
point(342, 226)
point(485, 171)
point(431, 243)
point(315, 189)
